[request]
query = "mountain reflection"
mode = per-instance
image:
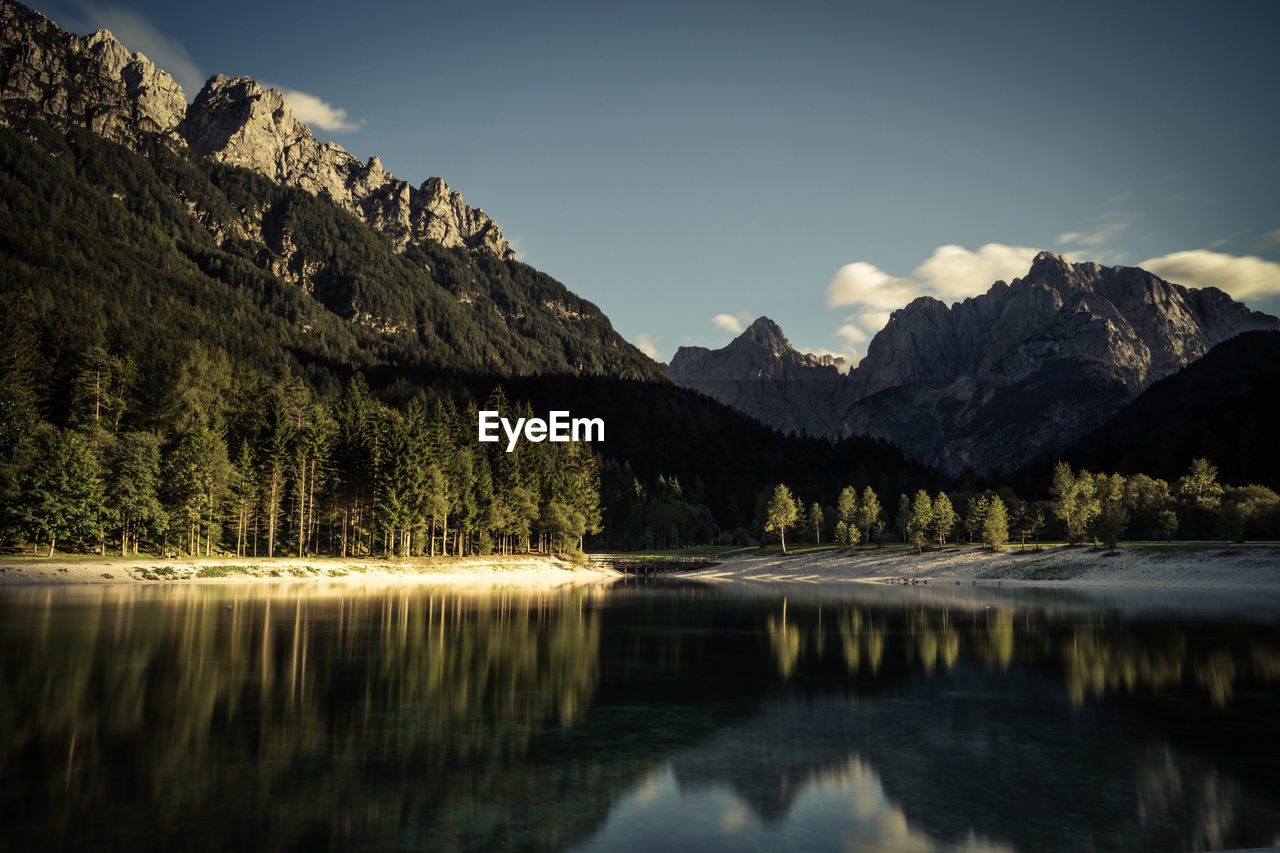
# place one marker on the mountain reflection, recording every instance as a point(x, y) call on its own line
point(642, 717)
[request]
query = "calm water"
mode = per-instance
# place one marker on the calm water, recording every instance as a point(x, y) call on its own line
point(647, 717)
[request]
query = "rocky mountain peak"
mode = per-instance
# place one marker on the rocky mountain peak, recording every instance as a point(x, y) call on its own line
point(765, 333)
point(93, 81)
point(236, 121)
point(97, 83)
point(761, 373)
point(990, 381)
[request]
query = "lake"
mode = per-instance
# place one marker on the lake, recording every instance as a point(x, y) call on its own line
point(651, 715)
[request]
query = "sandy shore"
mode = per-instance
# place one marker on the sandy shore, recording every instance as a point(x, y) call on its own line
point(1245, 567)
point(1209, 567)
point(526, 571)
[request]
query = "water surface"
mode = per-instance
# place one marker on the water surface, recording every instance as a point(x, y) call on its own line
point(649, 716)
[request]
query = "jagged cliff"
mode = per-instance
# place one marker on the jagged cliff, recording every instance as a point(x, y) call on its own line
point(993, 381)
point(95, 82)
point(236, 200)
point(92, 81)
point(240, 123)
point(1144, 326)
point(761, 374)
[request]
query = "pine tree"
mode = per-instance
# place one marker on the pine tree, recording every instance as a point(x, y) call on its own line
point(944, 518)
point(869, 515)
point(903, 519)
point(995, 525)
point(842, 535)
point(920, 526)
point(781, 513)
point(847, 506)
point(61, 493)
point(1112, 518)
point(132, 500)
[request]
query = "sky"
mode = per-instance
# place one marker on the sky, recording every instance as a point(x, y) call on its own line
point(691, 166)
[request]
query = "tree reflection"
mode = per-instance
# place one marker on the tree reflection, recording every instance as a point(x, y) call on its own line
point(401, 717)
point(1096, 656)
point(222, 699)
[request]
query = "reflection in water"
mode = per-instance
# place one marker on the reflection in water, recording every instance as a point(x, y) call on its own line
point(786, 641)
point(843, 807)
point(207, 701)
point(1096, 658)
point(217, 717)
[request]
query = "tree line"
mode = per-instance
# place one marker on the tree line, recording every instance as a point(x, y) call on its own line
point(1078, 507)
point(283, 473)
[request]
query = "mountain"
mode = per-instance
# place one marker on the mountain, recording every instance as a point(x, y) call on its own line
point(1223, 407)
point(996, 380)
point(762, 374)
point(95, 81)
point(238, 123)
point(246, 197)
point(172, 271)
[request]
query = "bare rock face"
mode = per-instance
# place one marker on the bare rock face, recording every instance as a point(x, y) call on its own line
point(996, 380)
point(96, 83)
point(92, 82)
point(1124, 316)
point(240, 123)
point(761, 374)
point(1026, 368)
point(157, 95)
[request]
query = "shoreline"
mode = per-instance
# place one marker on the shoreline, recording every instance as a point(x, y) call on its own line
point(513, 570)
point(1246, 567)
point(1193, 567)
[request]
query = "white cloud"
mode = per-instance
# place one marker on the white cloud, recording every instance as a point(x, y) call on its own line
point(648, 345)
point(951, 273)
point(1241, 277)
point(852, 334)
point(314, 112)
point(729, 323)
point(861, 283)
point(138, 34)
point(954, 272)
point(873, 321)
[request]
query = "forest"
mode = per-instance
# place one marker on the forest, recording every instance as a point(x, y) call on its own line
point(170, 382)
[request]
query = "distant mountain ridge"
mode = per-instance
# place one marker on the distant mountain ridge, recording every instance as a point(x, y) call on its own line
point(995, 380)
point(760, 373)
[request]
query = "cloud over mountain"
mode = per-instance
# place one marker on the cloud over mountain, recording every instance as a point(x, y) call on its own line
point(1247, 277)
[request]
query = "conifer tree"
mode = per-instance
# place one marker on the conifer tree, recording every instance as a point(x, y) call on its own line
point(920, 526)
point(869, 514)
point(944, 518)
point(995, 525)
point(781, 513)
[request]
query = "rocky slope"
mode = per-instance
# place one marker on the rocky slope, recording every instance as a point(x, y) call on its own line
point(232, 187)
point(998, 379)
point(1223, 407)
point(239, 123)
point(95, 82)
point(761, 374)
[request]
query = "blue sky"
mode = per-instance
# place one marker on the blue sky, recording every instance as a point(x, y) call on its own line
point(689, 167)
